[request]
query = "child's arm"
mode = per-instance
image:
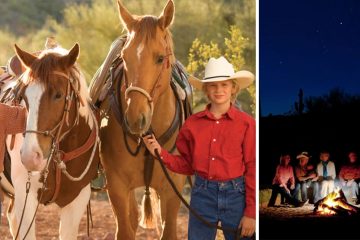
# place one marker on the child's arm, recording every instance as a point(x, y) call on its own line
point(333, 171)
point(176, 163)
point(249, 151)
point(292, 179)
point(247, 223)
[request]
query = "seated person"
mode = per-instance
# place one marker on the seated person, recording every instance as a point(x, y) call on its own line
point(306, 178)
point(283, 180)
point(326, 175)
point(349, 177)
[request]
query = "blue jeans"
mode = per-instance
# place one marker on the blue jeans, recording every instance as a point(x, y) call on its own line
point(216, 202)
point(350, 189)
point(276, 189)
point(303, 188)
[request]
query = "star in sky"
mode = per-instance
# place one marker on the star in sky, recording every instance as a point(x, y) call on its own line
point(320, 48)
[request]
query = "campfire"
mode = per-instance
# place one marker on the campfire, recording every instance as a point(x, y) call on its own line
point(335, 204)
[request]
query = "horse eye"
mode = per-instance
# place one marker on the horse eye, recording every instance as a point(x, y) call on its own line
point(160, 60)
point(58, 95)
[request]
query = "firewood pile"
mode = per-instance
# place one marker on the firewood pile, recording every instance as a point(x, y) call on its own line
point(335, 204)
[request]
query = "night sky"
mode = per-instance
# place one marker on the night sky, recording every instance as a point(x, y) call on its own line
point(308, 44)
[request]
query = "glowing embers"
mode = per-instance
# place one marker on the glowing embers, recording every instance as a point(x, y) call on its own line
point(335, 204)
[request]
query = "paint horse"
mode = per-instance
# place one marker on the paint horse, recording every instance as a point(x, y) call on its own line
point(142, 96)
point(59, 153)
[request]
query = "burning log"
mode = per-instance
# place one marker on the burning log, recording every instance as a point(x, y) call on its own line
point(335, 204)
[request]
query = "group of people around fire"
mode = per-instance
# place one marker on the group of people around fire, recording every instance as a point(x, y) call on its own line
point(308, 183)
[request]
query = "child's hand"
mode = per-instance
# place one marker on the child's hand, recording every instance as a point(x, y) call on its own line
point(247, 226)
point(151, 143)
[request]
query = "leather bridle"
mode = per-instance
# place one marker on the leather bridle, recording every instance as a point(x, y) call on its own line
point(150, 96)
point(57, 135)
point(55, 132)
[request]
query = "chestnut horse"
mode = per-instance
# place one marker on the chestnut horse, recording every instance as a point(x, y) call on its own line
point(59, 153)
point(142, 98)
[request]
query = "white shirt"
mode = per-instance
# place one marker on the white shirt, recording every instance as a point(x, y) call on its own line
point(330, 169)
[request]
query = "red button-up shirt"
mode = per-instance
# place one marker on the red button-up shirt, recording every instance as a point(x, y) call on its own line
point(217, 149)
point(349, 172)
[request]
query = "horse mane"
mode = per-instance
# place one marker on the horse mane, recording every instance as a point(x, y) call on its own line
point(146, 26)
point(48, 62)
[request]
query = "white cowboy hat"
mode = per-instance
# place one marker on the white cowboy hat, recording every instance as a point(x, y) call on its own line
point(303, 154)
point(220, 70)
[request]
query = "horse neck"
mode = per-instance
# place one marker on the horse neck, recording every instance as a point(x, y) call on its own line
point(164, 111)
point(78, 134)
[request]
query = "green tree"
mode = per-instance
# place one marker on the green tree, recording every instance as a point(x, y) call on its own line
point(235, 45)
point(95, 24)
point(6, 41)
point(94, 27)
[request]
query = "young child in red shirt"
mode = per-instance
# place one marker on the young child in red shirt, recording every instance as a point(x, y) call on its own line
point(218, 146)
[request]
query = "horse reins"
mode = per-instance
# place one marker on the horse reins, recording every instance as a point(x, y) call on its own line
point(55, 133)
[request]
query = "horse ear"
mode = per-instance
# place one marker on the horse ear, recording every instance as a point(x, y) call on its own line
point(167, 15)
point(125, 16)
point(26, 58)
point(70, 59)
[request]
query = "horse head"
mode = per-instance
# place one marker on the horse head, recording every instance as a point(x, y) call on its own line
point(148, 56)
point(52, 96)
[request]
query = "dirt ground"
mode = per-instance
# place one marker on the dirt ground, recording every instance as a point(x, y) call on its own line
point(47, 224)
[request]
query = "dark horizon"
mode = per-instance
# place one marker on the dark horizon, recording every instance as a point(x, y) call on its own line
point(312, 45)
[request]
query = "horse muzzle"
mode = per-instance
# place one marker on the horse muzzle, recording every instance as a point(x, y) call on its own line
point(138, 125)
point(33, 160)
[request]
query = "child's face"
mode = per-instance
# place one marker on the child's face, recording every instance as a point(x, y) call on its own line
point(352, 157)
point(324, 157)
point(220, 92)
point(287, 160)
point(303, 161)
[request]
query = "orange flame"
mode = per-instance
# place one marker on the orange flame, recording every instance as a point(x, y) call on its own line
point(331, 202)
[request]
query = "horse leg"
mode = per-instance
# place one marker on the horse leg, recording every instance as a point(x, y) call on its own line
point(170, 205)
point(71, 214)
point(134, 213)
point(119, 199)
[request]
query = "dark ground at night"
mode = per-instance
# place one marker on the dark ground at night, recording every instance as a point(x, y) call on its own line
point(285, 222)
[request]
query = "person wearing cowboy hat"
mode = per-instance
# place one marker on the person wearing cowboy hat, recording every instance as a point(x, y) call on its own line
point(218, 146)
point(306, 177)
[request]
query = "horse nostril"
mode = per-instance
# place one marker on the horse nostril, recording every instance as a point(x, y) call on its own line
point(37, 155)
point(142, 121)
